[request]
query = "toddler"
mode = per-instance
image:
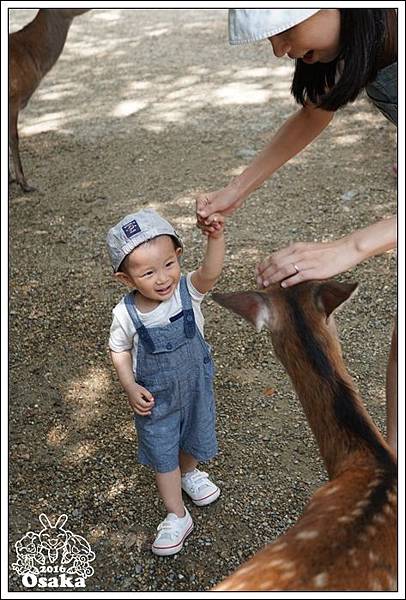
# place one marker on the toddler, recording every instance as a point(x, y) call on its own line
point(163, 362)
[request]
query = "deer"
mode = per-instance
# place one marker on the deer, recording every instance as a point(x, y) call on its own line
point(33, 51)
point(346, 538)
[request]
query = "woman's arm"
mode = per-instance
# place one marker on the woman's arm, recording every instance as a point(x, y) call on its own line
point(294, 135)
point(303, 261)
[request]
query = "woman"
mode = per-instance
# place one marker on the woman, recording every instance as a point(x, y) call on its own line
point(338, 53)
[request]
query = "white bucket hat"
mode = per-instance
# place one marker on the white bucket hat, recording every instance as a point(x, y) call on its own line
point(251, 25)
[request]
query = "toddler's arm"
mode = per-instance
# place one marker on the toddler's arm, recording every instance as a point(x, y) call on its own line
point(206, 276)
point(140, 399)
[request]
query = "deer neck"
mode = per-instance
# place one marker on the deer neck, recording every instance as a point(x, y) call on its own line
point(332, 405)
point(51, 31)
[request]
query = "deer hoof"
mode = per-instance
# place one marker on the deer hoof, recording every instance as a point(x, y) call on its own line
point(25, 187)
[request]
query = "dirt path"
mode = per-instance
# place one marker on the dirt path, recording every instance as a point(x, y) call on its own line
point(144, 108)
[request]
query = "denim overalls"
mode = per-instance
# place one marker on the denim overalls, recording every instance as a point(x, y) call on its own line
point(174, 363)
point(383, 92)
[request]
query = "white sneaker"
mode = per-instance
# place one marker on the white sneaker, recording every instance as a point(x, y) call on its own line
point(198, 486)
point(172, 532)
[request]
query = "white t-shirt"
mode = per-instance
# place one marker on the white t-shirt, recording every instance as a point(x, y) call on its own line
point(123, 335)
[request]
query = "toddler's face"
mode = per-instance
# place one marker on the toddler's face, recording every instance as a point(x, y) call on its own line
point(153, 268)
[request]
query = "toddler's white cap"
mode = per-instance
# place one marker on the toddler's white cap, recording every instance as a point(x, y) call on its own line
point(134, 230)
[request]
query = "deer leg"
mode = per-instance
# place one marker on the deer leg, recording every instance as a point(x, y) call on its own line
point(392, 392)
point(15, 152)
point(11, 179)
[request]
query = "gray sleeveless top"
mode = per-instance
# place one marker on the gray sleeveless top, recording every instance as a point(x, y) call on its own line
point(383, 92)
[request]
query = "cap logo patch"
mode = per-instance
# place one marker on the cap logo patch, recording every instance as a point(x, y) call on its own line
point(131, 228)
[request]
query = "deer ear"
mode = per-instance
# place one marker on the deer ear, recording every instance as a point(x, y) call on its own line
point(332, 294)
point(250, 305)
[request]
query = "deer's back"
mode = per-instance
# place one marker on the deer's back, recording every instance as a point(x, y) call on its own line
point(345, 540)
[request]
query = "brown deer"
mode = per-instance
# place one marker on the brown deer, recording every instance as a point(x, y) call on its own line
point(33, 51)
point(346, 537)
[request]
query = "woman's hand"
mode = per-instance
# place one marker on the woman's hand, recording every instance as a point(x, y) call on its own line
point(224, 201)
point(215, 228)
point(303, 261)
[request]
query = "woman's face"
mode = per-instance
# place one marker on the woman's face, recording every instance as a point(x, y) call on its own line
point(314, 40)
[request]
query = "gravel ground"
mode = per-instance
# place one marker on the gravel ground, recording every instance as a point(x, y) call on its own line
point(145, 108)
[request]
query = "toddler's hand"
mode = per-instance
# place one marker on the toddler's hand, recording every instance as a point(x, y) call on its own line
point(213, 226)
point(141, 400)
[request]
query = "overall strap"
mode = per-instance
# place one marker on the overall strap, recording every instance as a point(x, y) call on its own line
point(188, 315)
point(141, 329)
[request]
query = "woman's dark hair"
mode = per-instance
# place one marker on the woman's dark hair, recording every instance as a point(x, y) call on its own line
point(368, 42)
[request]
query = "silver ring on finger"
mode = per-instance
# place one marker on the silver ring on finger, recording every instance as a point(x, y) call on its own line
point(296, 268)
